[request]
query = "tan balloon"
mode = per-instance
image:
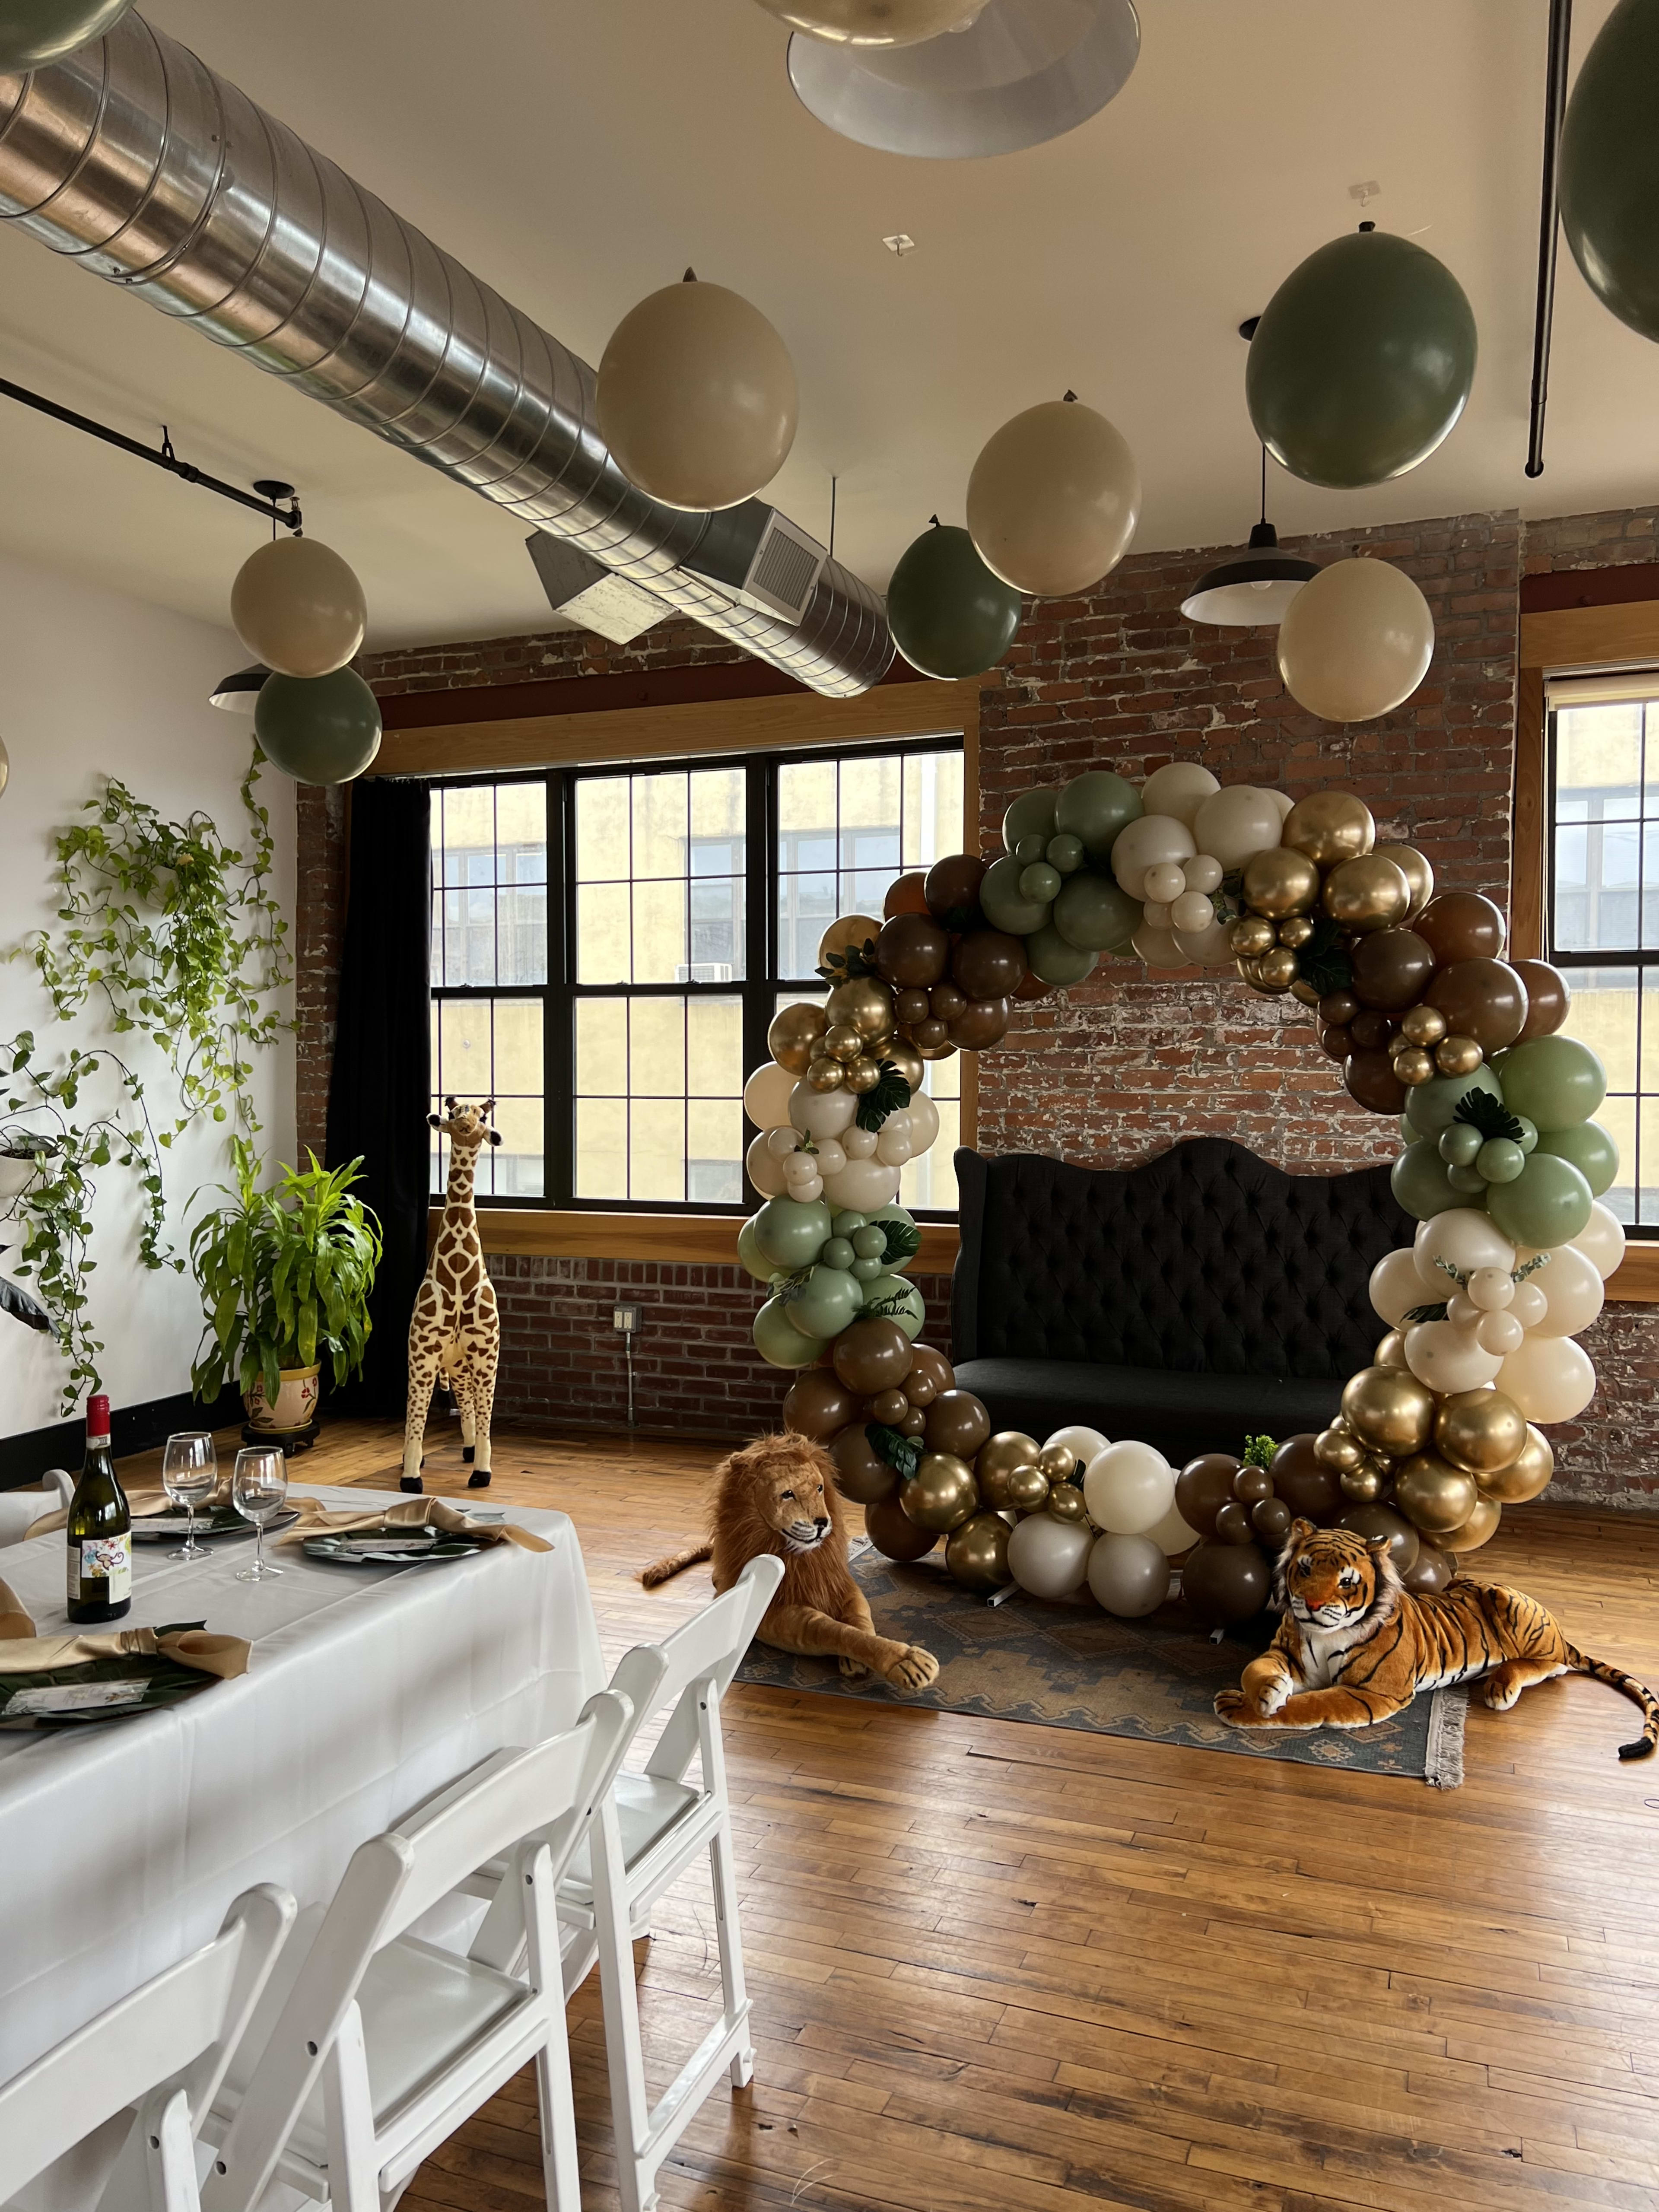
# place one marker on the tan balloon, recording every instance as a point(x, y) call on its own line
point(1054, 499)
point(1280, 882)
point(941, 1493)
point(1481, 1524)
point(1432, 1495)
point(793, 1038)
point(1356, 641)
point(1366, 893)
point(1389, 1410)
point(696, 397)
point(1329, 826)
point(1480, 1431)
point(1527, 1476)
point(874, 22)
point(977, 1551)
point(298, 606)
point(1418, 873)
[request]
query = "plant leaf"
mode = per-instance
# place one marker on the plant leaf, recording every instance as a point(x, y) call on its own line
point(901, 1453)
point(890, 1094)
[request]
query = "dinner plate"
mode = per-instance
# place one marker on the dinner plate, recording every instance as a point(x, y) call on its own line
point(340, 1550)
point(212, 1522)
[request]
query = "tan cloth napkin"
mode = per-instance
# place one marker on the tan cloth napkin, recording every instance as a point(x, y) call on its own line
point(140, 1503)
point(23, 1652)
point(317, 1519)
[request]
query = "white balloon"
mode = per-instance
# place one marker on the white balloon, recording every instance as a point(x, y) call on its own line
point(1172, 1535)
point(1282, 800)
point(765, 1168)
point(1602, 1240)
point(821, 1113)
point(1049, 1558)
point(861, 1185)
point(1191, 914)
point(1356, 641)
point(1573, 1292)
point(1151, 841)
point(1466, 1238)
point(1234, 824)
point(1445, 1358)
point(924, 1122)
point(832, 1157)
point(1129, 1488)
point(1492, 1289)
point(1210, 947)
point(1157, 947)
point(858, 1144)
point(767, 1095)
point(1528, 1305)
point(1550, 1378)
point(1179, 788)
point(1129, 1575)
point(1203, 872)
point(1087, 1444)
point(893, 1145)
point(1396, 1286)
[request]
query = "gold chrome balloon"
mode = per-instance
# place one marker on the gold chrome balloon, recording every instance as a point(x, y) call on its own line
point(848, 932)
point(997, 1460)
point(977, 1553)
point(863, 1074)
point(1419, 876)
point(1480, 1431)
point(1457, 1055)
point(1278, 968)
point(1364, 1485)
point(866, 1003)
point(792, 1039)
point(906, 1061)
point(1391, 1352)
point(1365, 894)
point(1027, 1488)
point(1336, 1448)
point(1295, 932)
point(1306, 992)
point(1433, 1496)
point(941, 1493)
point(1057, 1462)
point(842, 1041)
point(1066, 1502)
point(1525, 1477)
point(824, 1073)
point(1423, 1025)
point(1480, 1524)
point(1280, 882)
point(1329, 826)
point(1251, 935)
point(1413, 1066)
point(1389, 1410)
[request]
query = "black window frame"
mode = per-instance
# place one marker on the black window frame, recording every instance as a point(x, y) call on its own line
point(758, 988)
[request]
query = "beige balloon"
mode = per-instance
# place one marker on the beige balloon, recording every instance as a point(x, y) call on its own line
point(1054, 499)
point(874, 22)
point(1356, 641)
point(298, 606)
point(697, 398)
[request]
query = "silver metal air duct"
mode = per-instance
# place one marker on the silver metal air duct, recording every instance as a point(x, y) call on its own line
point(155, 173)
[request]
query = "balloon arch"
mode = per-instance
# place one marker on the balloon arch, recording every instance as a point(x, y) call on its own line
point(1502, 1165)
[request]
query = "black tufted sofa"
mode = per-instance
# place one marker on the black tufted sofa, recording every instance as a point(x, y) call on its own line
point(1192, 1301)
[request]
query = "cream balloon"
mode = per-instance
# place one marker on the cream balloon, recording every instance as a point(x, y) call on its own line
point(1445, 1358)
point(1550, 1378)
point(696, 397)
point(1054, 499)
point(861, 1185)
point(1129, 1575)
point(874, 22)
point(1171, 1535)
point(1283, 801)
point(1236, 823)
point(1573, 1292)
point(1464, 1238)
point(766, 1169)
point(1207, 948)
point(1204, 873)
point(1050, 1557)
point(1129, 1488)
point(822, 1113)
point(858, 1144)
point(1396, 1286)
point(1501, 1332)
point(1151, 841)
point(1602, 1240)
point(1528, 1305)
point(832, 1157)
point(1157, 947)
point(894, 1145)
point(1192, 914)
point(1356, 641)
point(1180, 787)
point(924, 1122)
point(766, 1096)
point(298, 606)
point(1492, 1289)
point(1083, 1443)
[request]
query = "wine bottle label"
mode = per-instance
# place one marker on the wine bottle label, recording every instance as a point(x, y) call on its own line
point(106, 1560)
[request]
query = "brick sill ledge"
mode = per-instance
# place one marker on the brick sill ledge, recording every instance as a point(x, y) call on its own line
point(703, 1240)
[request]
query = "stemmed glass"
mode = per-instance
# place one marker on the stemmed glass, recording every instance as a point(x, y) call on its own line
point(259, 1491)
point(190, 1474)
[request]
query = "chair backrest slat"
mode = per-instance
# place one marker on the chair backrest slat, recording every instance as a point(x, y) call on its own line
point(708, 1649)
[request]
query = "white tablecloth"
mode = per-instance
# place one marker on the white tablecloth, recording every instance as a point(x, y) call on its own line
point(122, 1843)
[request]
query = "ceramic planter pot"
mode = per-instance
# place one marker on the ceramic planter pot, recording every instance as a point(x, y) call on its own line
point(299, 1388)
point(17, 1172)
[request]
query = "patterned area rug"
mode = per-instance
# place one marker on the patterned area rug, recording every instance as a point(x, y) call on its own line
point(1073, 1666)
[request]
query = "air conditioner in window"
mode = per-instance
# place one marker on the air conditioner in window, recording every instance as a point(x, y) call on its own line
point(704, 971)
point(760, 558)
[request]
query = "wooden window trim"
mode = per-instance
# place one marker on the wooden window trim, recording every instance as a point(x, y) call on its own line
point(698, 1240)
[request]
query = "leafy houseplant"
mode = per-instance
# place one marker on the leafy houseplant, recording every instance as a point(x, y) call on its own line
point(285, 1275)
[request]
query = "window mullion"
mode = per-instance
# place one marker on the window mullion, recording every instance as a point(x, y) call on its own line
point(759, 895)
point(558, 1040)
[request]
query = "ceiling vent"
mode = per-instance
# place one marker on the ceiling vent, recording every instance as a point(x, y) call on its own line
point(765, 560)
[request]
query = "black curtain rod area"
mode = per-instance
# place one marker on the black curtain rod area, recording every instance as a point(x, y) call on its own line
point(289, 515)
point(1555, 108)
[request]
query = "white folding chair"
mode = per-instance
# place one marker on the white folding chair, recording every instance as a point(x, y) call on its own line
point(164, 2049)
point(384, 2044)
point(20, 1509)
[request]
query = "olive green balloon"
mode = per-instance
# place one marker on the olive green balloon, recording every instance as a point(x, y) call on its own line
point(949, 615)
point(1092, 913)
point(910, 1314)
point(791, 1232)
point(1362, 361)
point(1554, 1081)
point(1419, 1184)
point(1095, 807)
point(1610, 167)
point(897, 1212)
point(1547, 1204)
point(1052, 960)
point(751, 1255)
point(780, 1342)
point(1591, 1150)
point(34, 33)
point(1433, 1106)
point(1003, 904)
point(318, 729)
point(827, 1303)
point(1031, 815)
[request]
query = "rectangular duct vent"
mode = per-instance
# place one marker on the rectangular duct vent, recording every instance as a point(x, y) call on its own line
point(762, 558)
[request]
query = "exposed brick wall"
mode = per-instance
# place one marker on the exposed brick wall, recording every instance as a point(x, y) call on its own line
point(548, 654)
point(318, 938)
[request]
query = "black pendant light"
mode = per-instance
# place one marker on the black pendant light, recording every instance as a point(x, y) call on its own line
point(238, 694)
point(1254, 588)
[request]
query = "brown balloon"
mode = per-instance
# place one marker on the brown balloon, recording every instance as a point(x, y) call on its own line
point(911, 1422)
point(911, 1005)
point(1481, 998)
point(894, 1533)
point(1338, 1008)
point(1225, 1584)
point(983, 1023)
point(889, 1407)
point(958, 1423)
point(945, 1003)
point(1548, 999)
point(1309, 1489)
point(1252, 1484)
point(1461, 926)
point(924, 1360)
point(953, 887)
point(920, 1388)
point(1391, 968)
point(818, 1403)
point(1203, 1486)
point(988, 963)
point(861, 1473)
point(872, 1355)
point(1270, 1518)
point(1032, 989)
point(906, 894)
point(1372, 1083)
point(1430, 1572)
point(1370, 1031)
point(1336, 1043)
point(1233, 1524)
point(1370, 1521)
point(931, 1037)
point(912, 951)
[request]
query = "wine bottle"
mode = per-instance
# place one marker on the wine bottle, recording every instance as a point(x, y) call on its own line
point(100, 1529)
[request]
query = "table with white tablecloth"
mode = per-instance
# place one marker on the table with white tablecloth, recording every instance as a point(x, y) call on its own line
point(122, 1842)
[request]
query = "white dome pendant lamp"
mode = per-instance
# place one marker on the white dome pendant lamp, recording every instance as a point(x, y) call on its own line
point(1253, 588)
point(1017, 74)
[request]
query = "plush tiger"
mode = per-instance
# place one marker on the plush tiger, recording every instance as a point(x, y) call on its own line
point(1355, 1646)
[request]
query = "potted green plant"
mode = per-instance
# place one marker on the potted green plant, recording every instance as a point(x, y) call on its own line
point(285, 1276)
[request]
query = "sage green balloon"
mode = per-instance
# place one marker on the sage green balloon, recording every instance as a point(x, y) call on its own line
point(1052, 960)
point(1092, 913)
point(1554, 1081)
point(826, 1303)
point(1003, 904)
point(1547, 1204)
point(1031, 815)
point(1591, 1150)
point(897, 1212)
point(1432, 1107)
point(1420, 1181)
point(791, 1232)
point(1095, 807)
point(318, 729)
point(779, 1341)
point(751, 1257)
point(34, 33)
point(1498, 1160)
point(909, 1315)
point(1610, 167)
point(1362, 361)
point(949, 615)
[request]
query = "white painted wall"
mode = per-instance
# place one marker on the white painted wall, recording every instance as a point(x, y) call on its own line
point(95, 683)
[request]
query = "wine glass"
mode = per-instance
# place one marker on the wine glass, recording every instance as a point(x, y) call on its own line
point(190, 1474)
point(259, 1491)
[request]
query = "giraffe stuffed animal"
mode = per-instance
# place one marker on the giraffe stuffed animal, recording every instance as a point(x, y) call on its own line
point(455, 1330)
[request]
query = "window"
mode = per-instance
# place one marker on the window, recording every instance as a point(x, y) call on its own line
point(609, 947)
point(1603, 908)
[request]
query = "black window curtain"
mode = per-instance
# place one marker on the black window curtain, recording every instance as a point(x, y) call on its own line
point(380, 1088)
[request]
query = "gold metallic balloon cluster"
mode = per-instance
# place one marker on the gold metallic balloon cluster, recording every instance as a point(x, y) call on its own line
point(841, 1044)
point(968, 1503)
point(1328, 867)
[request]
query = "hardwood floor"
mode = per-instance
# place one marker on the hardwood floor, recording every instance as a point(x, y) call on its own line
point(1001, 1966)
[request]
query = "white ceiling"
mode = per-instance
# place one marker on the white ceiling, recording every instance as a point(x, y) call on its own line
point(580, 153)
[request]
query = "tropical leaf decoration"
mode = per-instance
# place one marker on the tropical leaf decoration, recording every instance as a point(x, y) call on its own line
point(848, 966)
point(16, 1301)
point(1428, 1313)
point(903, 1242)
point(1480, 1109)
point(901, 1453)
point(1322, 961)
point(889, 1094)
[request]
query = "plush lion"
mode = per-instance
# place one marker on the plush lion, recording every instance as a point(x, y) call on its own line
point(1355, 1646)
point(779, 1495)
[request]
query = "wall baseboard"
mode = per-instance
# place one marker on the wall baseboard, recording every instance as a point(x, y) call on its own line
point(24, 1458)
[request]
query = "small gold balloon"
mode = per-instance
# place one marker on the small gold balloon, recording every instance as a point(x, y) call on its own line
point(824, 1073)
point(1027, 1487)
point(1457, 1055)
point(1280, 968)
point(1433, 1496)
point(1306, 992)
point(1329, 826)
point(976, 1554)
point(852, 931)
point(1058, 1462)
point(997, 1458)
point(906, 1061)
point(1251, 935)
point(866, 1003)
point(1295, 931)
point(1418, 874)
point(1423, 1025)
point(1413, 1066)
point(842, 1041)
point(1363, 1485)
point(941, 1493)
point(1387, 1410)
point(1066, 1502)
point(863, 1075)
point(1525, 1477)
point(1391, 1352)
point(1336, 1448)
point(792, 1039)
point(1474, 1532)
point(1280, 882)
point(1365, 894)
point(1480, 1431)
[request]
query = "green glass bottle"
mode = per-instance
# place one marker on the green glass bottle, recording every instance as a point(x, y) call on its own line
point(100, 1529)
